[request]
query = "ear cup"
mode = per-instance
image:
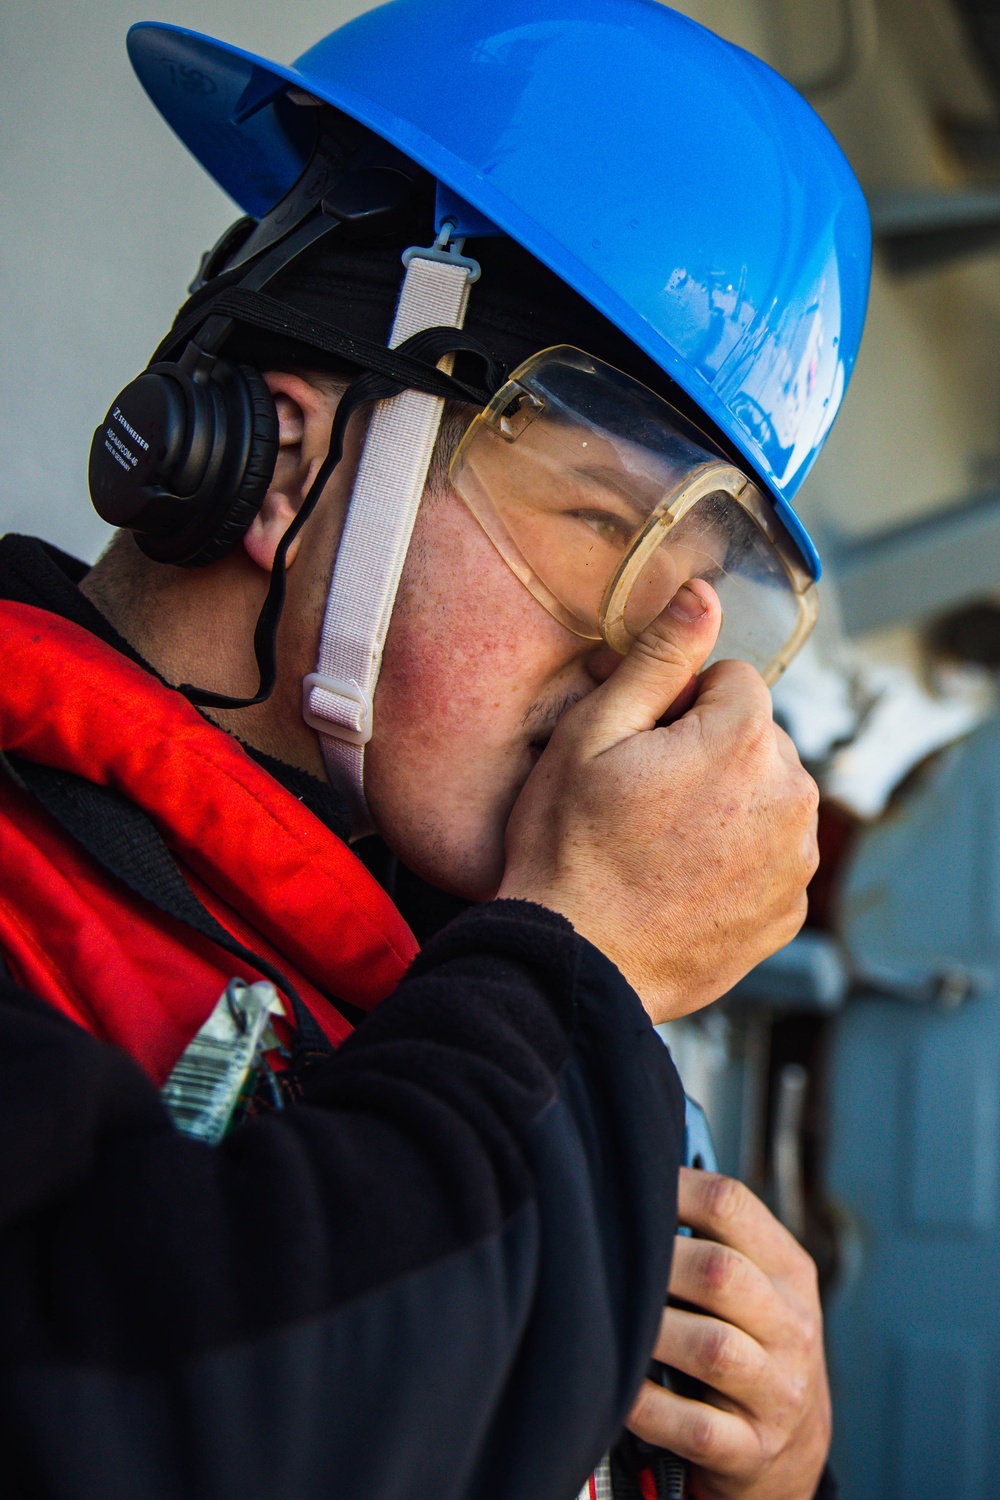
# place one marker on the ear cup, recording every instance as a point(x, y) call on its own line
point(225, 446)
point(258, 469)
point(142, 459)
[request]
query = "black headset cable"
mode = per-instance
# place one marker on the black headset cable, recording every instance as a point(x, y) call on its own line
point(417, 358)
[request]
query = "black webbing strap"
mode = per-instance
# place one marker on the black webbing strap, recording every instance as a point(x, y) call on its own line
point(127, 844)
point(405, 366)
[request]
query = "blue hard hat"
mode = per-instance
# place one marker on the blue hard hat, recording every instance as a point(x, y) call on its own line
point(673, 180)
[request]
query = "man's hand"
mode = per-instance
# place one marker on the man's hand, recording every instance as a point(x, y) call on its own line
point(762, 1430)
point(682, 851)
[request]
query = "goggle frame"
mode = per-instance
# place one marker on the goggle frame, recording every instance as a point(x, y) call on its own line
point(515, 406)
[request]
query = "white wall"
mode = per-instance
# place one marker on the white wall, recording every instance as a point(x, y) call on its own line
point(104, 216)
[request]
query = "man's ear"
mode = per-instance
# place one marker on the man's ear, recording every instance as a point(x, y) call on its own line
point(305, 415)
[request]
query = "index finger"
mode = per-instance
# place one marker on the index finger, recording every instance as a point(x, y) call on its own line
point(733, 688)
point(722, 1209)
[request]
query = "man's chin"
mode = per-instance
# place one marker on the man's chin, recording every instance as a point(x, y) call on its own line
point(459, 848)
point(466, 876)
point(464, 862)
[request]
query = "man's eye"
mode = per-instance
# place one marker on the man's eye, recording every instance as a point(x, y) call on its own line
point(609, 527)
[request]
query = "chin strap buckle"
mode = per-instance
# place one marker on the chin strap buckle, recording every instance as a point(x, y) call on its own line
point(447, 250)
point(337, 707)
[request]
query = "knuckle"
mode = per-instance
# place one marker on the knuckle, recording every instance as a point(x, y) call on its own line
point(726, 1198)
point(801, 1339)
point(810, 1334)
point(658, 643)
point(732, 674)
point(749, 679)
point(757, 732)
point(808, 793)
point(719, 1269)
point(796, 1399)
point(720, 1354)
point(771, 1444)
point(703, 1437)
point(641, 1414)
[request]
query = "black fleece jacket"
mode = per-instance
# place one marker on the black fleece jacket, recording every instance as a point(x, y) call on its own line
point(436, 1278)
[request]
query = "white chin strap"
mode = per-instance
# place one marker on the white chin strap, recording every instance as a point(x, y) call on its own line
point(337, 698)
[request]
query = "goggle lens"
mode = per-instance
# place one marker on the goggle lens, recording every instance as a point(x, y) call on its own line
point(764, 619)
point(603, 501)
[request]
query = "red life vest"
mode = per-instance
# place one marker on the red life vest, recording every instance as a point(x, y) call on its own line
point(266, 868)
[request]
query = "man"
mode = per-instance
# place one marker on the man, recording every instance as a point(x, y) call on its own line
point(239, 1257)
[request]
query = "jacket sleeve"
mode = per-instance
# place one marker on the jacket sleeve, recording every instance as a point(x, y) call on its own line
point(438, 1277)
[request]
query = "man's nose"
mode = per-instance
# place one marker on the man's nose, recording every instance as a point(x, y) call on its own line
point(602, 661)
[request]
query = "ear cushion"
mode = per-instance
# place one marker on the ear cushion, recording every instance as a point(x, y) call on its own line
point(262, 455)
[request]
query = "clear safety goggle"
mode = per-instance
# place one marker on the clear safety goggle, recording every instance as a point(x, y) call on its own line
point(604, 501)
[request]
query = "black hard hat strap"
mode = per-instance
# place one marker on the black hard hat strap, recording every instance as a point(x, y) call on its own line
point(272, 262)
point(416, 371)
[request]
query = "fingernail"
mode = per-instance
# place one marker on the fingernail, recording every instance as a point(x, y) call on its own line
point(686, 605)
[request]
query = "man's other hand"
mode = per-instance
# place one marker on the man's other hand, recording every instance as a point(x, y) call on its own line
point(755, 1338)
point(682, 850)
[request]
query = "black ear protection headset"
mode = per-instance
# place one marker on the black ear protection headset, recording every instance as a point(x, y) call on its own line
point(187, 451)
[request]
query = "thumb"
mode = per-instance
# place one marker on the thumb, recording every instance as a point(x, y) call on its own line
point(661, 663)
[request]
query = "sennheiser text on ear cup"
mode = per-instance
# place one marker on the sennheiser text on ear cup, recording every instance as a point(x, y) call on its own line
point(184, 457)
point(238, 506)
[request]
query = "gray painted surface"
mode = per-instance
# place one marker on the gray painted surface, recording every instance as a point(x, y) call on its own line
point(914, 1147)
point(905, 575)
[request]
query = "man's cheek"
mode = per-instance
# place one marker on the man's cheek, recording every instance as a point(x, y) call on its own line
point(456, 716)
point(471, 681)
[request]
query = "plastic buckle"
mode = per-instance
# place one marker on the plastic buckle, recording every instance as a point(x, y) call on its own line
point(342, 689)
point(444, 249)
